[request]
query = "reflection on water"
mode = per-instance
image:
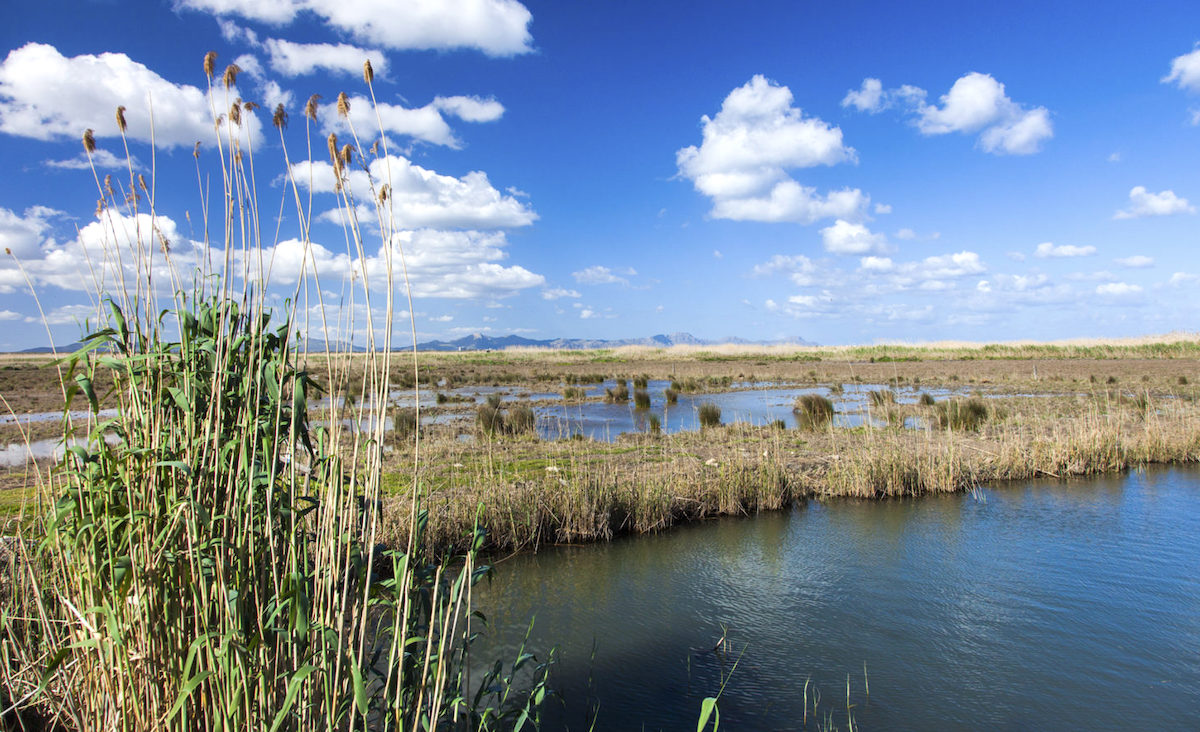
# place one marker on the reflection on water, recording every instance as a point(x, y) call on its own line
point(1069, 605)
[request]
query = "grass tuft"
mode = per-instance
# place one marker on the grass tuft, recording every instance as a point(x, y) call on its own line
point(813, 411)
point(709, 414)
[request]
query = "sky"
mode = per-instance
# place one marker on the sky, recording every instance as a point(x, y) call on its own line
point(847, 172)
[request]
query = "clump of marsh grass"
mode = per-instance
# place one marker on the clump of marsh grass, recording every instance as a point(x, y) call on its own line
point(617, 394)
point(837, 389)
point(209, 559)
point(493, 418)
point(640, 382)
point(574, 394)
point(671, 395)
point(963, 415)
point(654, 424)
point(709, 415)
point(813, 411)
point(926, 399)
point(404, 423)
point(882, 397)
point(641, 399)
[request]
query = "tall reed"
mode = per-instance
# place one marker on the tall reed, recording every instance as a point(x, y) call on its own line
point(209, 559)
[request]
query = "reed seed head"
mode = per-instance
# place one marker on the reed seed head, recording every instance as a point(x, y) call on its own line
point(310, 109)
point(89, 141)
point(334, 155)
point(231, 73)
point(375, 147)
point(121, 119)
point(280, 118)
point(196, 150)
point(210, 64)
point(250, 106)
point(141, 181)
point(108, 184)
point(368, 72)
point(347, 153)
point(383, 193)
point(235, 114)
point(8, 251)
point(343, 104)
point(99, 207)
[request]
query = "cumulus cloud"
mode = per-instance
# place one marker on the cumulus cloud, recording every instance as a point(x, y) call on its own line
point(496, 27)
point(799, 268)
point(1180, 279)
point(555, 293)
point(600, 275)
point(847, 238)
point(868, 98)
point(1144, 203)
point(23, 234)
point(1185, 71)
point(46, 96)
point(102, 159)
point(1137, 261)
point(876, 264)
point(424, 198)
point(299, 59)
point(423, 123)
point(1048, 249)
point(749, 146)
point(1118, 289)
point(976, 104)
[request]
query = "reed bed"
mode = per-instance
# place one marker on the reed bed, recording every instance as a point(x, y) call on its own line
point(209, 558)
point(563, 491)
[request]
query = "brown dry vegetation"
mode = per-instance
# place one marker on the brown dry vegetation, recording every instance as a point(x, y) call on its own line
point(532, 492)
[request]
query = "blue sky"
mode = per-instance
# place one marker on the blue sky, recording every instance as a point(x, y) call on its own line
point(844, 173)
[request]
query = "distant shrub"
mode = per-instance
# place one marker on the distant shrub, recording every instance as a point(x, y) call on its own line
point(515, 420)
point(710, 415)
point(442, 398)
point(1183, 380)
point(641, 399)
point(813, 411)
point(965, 415)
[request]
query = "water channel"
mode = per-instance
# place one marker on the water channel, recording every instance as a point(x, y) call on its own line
point(1065, 605)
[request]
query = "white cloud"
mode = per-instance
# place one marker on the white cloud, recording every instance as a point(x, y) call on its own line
point(1048, 249)
point(1114, 157)
point(441, 319)
point(799, 268)
point(496, 27)
point(748, 147)
point(234, 33)
point(1144, 203)
point(959, 264)
point(587, 313)
point(46, 96)
point(600, 275)
point(10, 315)
point(868, 98)
point(882, 208)
point(299, 59)
point(23, 234)
point(906, 234)
point(1182, 278)
point(717, 254)
point(423, 123)
point(976, 103)
point(1136, 261)
point(876, 264)
point(470, 109)
point(102, 159)
point(555, 293)
point(847, 238)
point(1185, 71)
point(424, 198)
point(1118, 289)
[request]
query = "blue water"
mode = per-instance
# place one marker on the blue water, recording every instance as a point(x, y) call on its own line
point(1048, 605)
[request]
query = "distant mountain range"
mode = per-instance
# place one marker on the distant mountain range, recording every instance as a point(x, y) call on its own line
point(481, 342)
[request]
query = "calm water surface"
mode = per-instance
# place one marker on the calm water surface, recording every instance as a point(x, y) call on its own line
point(1064, 605)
